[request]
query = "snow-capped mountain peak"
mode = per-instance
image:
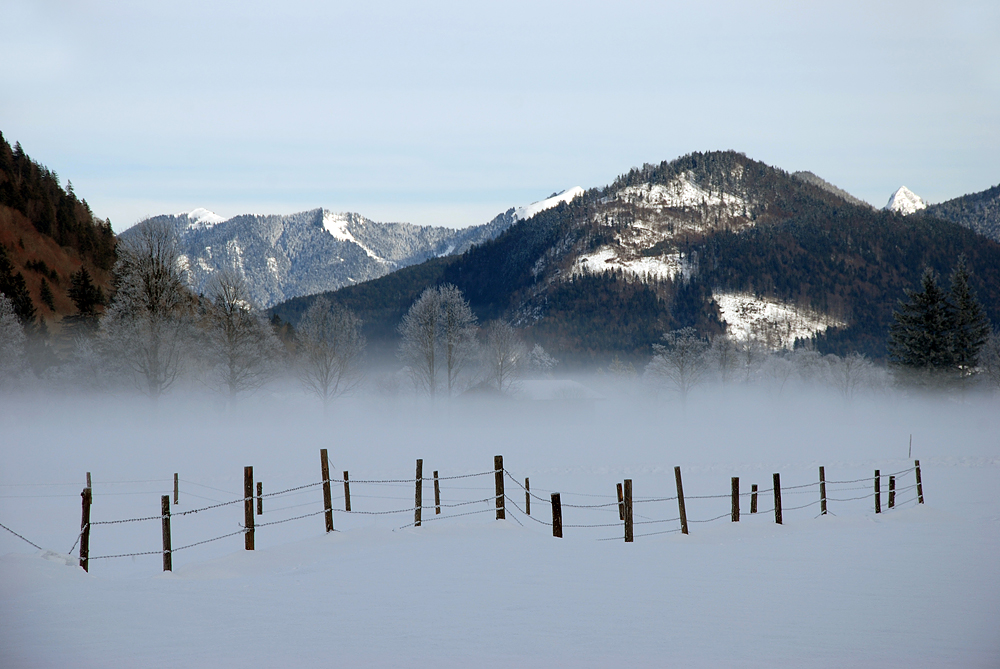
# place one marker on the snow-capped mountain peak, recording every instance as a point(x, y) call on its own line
point(905, 202)
point(200, 218)
point(527, 211)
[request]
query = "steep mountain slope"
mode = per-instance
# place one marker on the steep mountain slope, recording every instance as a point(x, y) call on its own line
point(665, 246)
point(48, 233)
point(811, 178)
point(978, 211)
point(283, 257)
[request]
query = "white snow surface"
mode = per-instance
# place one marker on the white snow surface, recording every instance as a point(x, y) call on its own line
point(666, 266)
point(905, 202)
point(917, 587)
point(336, 225)
point(201, 218)
point(529, 210)
point(680, 193)
point(777, 323)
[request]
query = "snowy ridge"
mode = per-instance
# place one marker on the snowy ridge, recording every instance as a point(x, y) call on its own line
point(905, 202)
point(568, 195)
point(682, 192)
point(336, 225)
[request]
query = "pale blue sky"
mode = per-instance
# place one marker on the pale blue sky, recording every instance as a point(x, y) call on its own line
point(449, 112)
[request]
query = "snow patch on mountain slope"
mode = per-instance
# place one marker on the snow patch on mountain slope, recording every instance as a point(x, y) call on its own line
point(774, 323)
point(905, 202)
point(336, 225)
point(680, 193)
point(662, 267)
point(530, 210)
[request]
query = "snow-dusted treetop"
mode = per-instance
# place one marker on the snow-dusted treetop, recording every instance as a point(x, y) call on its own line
point(905, 202)
point(530, 210)
point(200, 218)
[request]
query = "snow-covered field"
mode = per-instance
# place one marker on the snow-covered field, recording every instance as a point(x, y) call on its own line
point(917, 587)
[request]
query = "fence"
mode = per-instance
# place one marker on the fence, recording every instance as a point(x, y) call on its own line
point(623, 510)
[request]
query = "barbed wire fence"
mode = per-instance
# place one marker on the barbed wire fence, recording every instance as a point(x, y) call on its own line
point(654, 515)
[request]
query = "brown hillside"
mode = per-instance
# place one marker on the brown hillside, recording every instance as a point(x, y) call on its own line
point(26, 245)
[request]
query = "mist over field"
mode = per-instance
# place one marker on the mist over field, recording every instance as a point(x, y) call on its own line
point(915, 585)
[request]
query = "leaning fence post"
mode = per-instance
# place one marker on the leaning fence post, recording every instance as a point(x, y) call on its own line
point(753, 498)
point(621, 503)
point(680, 500)
point(437, 494)
point(324, 464)
point(527, 497)
point(556, 515)
point(777, 498)
point(628, 510)
point(920, 484)
point(347, 493)
point(248, 507)
point(878, 492)
point(88, 480)
point(498, 477)
point(85, 530)
point(177, 490)
point(165, 513)
point(260, 498)
point(735, 484)
point(822, 492)
point(892, 491)
point(418, 497)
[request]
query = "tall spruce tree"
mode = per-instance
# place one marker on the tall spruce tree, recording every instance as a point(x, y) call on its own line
point(920, 336)
point(969, 326)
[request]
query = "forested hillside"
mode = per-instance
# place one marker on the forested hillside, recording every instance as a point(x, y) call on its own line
point(610, 271)
point(48, 234)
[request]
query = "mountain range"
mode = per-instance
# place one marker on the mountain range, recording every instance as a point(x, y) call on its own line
point(319, 250)
point(715, 240)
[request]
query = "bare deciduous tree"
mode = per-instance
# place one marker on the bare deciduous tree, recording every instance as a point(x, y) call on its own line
point(503, 355)
point(12, 360)
point(419, 345)
point(458, 333)
point(242, 345)
point(147, 325)
point(723, 355)
point(850, 374)
point(540, 362)
point(680, 362)
point(330, 350)
point(438, 338)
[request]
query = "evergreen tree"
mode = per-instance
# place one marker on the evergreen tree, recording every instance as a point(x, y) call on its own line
point(969, 326)
point(85, 295)
point(13, 286)
point(920, 337)
point(47, 297)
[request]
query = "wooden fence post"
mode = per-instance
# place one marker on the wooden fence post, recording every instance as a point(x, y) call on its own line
point(347, 492)
point(168, 564)
point(777, 498)
point(248, 507)
point(680, 500)
point(920, 484)
point(177, 490)
point(822, 492)
point(628, 511)
point(85, 530)
point(735, 484)
point(260, 498)
point(892, 491)
point(418, 497)
point(527, 497)
point(878, 492)
point(498, 476)
point(88, 481)
point(437, 494)
point(621, 503)
point(324, 464)
point(556, 515)
point(753, 498)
